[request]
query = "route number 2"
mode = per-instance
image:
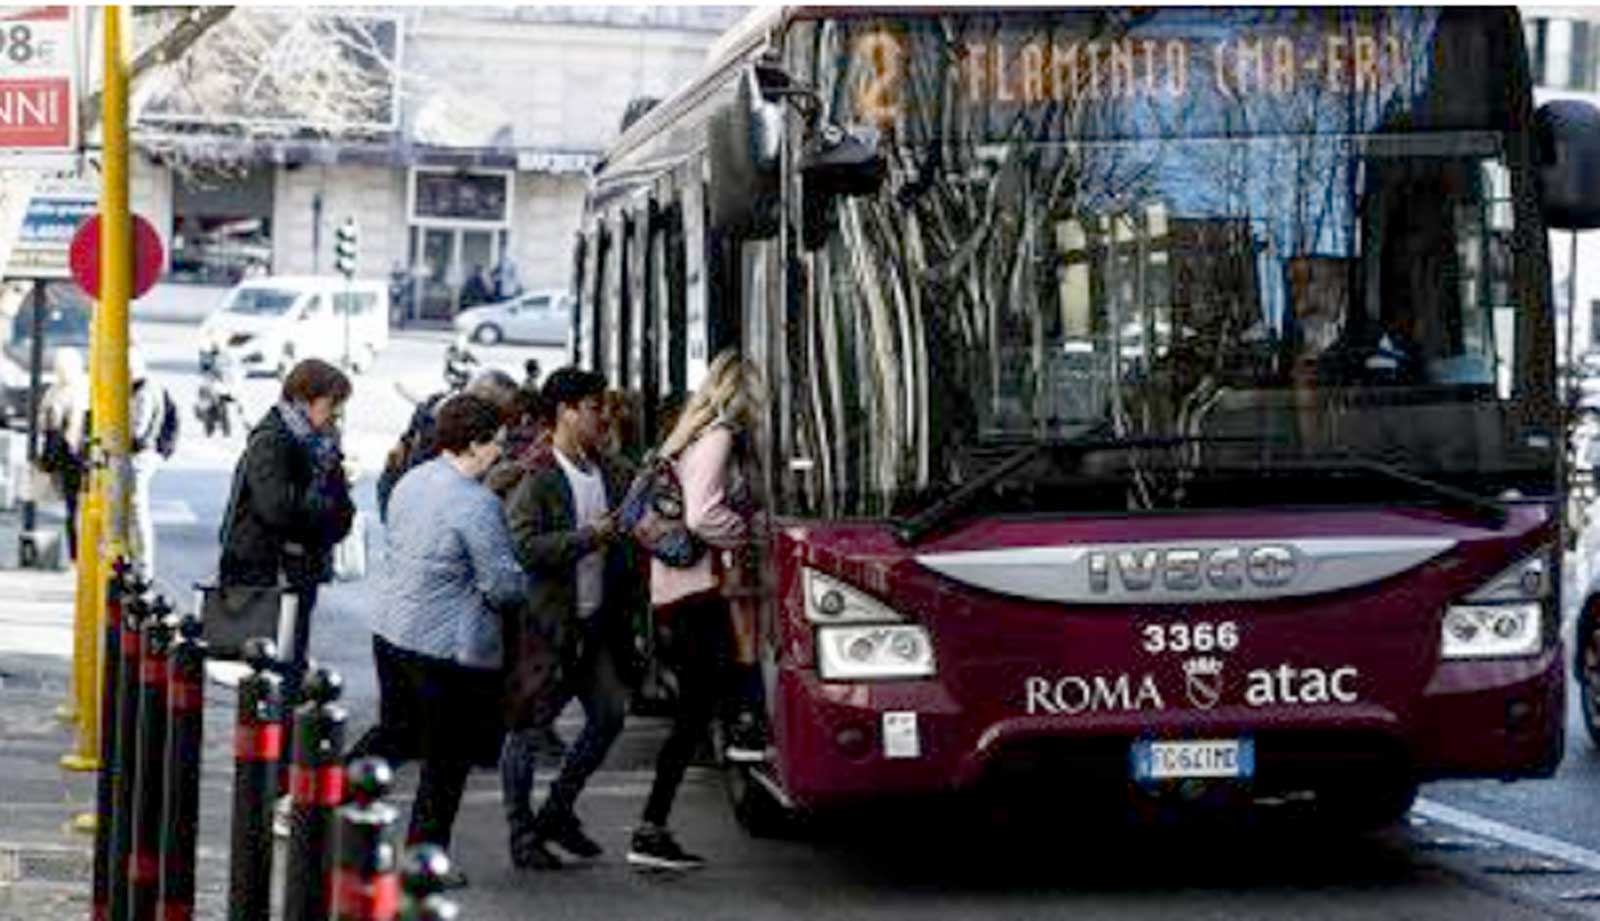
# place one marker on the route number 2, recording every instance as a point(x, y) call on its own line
point(1186, 637)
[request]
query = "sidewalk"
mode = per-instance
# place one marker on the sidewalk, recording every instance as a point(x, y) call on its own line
point(45, 865)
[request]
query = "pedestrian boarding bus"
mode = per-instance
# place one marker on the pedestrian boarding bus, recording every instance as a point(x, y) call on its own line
point(1162, 402)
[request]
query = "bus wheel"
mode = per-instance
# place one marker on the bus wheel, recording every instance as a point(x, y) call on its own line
point(1588, 643)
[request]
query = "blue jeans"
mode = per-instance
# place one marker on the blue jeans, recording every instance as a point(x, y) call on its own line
point(594, 681)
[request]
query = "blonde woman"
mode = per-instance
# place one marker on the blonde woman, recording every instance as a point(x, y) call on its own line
point(709, 448)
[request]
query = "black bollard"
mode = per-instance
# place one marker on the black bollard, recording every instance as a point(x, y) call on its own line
point(316, 789)
point(365, 880)
point(422, 877)
point(181, 808)
point(136, 610)
point(257, 748)
point(149, 780)
point(123, 584)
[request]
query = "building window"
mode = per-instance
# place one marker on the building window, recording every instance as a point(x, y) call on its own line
point(1536, 30)
point(1557, 70)
point(1582, 77)
point(461, 196)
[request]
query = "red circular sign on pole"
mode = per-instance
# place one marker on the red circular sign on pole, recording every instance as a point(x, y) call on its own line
point(84, 257)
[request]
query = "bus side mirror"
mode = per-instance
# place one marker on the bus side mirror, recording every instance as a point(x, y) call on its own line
point(1567, 133)
point(744, 141)
point(842, 161)
point(835, 162)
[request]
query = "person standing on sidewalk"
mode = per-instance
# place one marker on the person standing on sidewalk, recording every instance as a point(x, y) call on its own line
point(573, 639)
point(64, 412)
point(288, 507)
point(709, 448)
point(450, 577)
point(147, 417)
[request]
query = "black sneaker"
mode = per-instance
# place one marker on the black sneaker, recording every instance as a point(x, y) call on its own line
point(653, 848)
point(566, 833)
point(529, 853)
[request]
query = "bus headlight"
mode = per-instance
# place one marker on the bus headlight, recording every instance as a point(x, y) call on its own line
point(1490, 631)
point(1503, 619)
point(846, 653)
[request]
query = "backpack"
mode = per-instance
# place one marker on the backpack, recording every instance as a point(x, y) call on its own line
point(166, 427)
point(652, 513)
point(416, 445)
point(167, 434)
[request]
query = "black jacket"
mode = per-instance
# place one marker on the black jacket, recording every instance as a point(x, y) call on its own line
point(283, 517)
point(549, 543)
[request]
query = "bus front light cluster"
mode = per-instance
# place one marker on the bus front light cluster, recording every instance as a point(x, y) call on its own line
point(887, 651)
point(1503, 619)
point(859, 637)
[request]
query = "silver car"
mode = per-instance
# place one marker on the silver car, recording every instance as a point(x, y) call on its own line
point(540, 317)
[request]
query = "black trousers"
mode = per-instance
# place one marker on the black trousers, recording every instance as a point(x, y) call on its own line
point(394, 737)
point(458, 725)
point(698, 648)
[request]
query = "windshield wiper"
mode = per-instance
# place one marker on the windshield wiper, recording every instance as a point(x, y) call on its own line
point(1485, 509)
point(916, 528)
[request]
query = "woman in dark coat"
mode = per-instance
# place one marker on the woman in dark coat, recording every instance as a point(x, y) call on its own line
point(290, 504)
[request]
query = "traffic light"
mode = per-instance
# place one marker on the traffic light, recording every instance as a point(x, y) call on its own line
point(344, 248)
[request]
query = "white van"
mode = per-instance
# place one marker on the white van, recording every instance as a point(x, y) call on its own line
point(267, 324)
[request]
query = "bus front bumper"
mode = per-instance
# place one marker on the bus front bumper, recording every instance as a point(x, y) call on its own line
point(851, 743)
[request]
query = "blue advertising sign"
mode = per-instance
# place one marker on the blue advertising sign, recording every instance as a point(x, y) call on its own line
point(47, 229)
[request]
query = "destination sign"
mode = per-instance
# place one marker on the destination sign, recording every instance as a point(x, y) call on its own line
point(1021, 70)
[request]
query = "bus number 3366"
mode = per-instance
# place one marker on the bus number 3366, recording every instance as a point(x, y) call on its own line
point(1182, 636)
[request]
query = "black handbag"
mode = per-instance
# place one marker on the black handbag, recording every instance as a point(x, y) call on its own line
point(232, 614)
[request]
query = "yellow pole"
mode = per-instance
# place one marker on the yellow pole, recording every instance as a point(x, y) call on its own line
point(88, 601)
point(116, 288)
point(85, 648)
point(110, 384)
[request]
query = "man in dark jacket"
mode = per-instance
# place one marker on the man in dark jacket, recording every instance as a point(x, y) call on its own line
point(574, 637)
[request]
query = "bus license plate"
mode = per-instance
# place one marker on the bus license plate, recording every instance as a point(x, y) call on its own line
point(1219, 758)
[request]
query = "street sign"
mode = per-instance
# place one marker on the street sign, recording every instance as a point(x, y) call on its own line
point(53, 216)
point(38, 84)
point(147, 257)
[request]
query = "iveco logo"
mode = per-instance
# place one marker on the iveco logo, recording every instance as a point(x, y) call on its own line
point(1190, 569)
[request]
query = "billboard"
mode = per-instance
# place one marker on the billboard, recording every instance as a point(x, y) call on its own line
point(38, 82)
point(285, 68)
point(53, 216)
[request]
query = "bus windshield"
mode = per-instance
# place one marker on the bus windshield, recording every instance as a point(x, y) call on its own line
point(1304, 231)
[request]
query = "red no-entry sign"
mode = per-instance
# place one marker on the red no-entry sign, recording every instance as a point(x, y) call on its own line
point(85, 256)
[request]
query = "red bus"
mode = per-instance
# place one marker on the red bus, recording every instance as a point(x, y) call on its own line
point(1162, 402)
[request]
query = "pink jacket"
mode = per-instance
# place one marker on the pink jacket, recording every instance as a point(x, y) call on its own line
point(703, 471)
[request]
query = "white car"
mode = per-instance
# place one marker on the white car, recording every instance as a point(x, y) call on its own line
point(537, 317)
point(267, 324)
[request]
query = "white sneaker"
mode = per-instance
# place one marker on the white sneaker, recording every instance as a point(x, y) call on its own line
point(280, 817)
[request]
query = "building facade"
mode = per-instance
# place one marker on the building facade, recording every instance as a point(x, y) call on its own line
point(498, 115)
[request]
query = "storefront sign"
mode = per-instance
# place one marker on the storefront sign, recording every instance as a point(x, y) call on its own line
point(38, 83)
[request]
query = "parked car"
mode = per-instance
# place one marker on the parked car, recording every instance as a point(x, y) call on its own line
point(267, 324)
point(66, 325)
point(537, 317)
